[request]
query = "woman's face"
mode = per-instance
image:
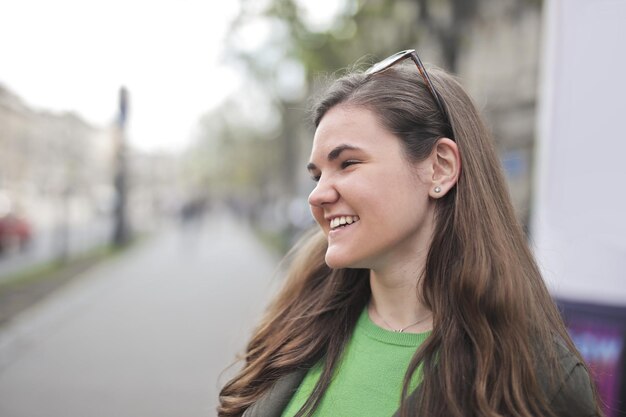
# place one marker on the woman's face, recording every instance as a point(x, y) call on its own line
point(370, 201)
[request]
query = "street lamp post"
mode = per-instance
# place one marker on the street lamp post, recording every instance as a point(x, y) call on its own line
point(121, 231)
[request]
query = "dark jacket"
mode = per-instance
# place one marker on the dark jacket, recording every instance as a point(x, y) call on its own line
point(573, 398)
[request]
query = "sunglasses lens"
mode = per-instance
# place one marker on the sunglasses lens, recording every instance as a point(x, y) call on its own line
point(397, 57)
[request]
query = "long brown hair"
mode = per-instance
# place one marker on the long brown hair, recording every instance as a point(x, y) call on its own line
point(494, 322)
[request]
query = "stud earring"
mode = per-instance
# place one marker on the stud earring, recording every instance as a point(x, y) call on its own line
point(437, 189)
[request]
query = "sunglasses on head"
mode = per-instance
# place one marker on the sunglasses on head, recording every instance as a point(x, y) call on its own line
point(400, 56)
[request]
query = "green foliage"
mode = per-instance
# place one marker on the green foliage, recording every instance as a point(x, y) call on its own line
point(269, 43)
point(274, 38)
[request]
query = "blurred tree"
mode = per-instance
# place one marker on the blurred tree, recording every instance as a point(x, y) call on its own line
point(283, 46)
point(235, 155)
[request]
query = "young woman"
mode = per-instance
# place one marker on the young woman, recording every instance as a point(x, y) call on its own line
point(419, 296)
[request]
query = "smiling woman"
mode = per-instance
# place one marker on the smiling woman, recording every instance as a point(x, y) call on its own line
point(418, 295)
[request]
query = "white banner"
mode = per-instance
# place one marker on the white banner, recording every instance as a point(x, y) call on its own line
point(579, 213)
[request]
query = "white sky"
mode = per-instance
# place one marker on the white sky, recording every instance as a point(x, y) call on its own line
point(74, 55)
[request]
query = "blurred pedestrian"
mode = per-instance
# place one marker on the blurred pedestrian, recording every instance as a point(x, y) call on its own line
point(420, 295)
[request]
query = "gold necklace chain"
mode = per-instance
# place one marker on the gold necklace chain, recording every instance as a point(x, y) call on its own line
point(401, 330)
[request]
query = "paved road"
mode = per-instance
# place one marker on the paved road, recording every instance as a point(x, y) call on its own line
point(144, 335)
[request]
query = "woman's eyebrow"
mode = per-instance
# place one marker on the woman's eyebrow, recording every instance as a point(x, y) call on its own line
point(334, 154)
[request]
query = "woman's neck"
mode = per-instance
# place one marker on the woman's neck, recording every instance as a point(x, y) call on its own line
point(395, 302)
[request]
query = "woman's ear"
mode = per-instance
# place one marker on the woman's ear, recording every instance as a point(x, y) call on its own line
point(446, 167)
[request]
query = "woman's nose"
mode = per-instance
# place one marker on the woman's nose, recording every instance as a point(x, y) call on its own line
point(323, 193)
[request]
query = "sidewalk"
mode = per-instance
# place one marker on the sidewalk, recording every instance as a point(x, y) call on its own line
point(146, 334)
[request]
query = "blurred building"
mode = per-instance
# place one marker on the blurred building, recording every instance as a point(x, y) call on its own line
point(497, 48)
point(56, 171)
point(501, 69)
point(157, 188)
point(48, 158)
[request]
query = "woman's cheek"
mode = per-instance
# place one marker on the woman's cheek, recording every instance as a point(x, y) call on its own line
point(318, 215)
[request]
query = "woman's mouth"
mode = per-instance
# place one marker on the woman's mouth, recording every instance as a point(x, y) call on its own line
point(342, 221)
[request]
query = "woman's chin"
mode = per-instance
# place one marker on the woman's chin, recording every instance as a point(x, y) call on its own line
point(335, 262)
point(339, 261)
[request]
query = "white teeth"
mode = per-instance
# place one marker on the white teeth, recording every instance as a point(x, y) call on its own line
point(343, 220)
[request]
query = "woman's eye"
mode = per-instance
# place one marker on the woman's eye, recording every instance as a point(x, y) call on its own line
point(346, 164)
point(315, 178)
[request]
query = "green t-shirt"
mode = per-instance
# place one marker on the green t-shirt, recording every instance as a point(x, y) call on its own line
point(368, 380)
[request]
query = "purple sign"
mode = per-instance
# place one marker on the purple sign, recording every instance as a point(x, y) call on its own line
point(599, 333)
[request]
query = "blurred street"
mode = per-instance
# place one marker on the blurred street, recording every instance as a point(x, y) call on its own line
point(145, 334)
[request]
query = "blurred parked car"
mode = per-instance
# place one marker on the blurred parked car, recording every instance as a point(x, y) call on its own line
point(15, 233)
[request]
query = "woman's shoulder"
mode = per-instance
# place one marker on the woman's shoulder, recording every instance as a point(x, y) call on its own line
point(272, 403)
point(572, 395)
